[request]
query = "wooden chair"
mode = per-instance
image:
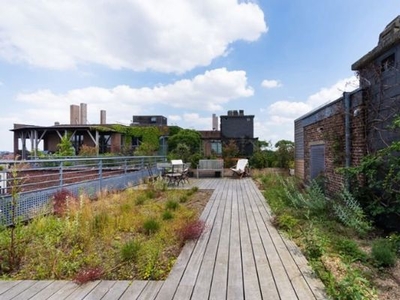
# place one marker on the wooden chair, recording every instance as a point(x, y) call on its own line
point(242, 168)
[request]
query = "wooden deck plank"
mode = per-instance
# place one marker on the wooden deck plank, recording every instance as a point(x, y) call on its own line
point(235, 289)
point(266, 280)
point(117, 290)
point(313, 281)
point(151, 290)
point(100, 290)
point(203, 283)
point(68, 288)
point(220, 277)
point(5, 285)
point(134, 290)
point(49, 290)
point(170, 285)
point(295, 275)
point(250, 278)
point(83, 290)
point(17, 289)
point(33, 290)
point(281, 278)
point(189, 277)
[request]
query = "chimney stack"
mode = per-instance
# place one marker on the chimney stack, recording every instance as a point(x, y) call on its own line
point(83, 114)
point(74, 114)
point(103, 117)
point(214, 122)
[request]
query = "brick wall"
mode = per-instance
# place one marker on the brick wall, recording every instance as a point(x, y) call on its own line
point(330, 132)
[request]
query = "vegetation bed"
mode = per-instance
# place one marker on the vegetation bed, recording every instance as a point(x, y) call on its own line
point(354, 259)
point(135, 234)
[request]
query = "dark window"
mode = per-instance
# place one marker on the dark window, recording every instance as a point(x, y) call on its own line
point(317, 161)
point(388, 63)
point(216, 147)
point(136, 141)
point(153, 119)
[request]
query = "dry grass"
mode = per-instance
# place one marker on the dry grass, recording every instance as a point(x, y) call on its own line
point(98, 235)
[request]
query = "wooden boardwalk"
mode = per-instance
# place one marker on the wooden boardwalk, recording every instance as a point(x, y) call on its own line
point(240, 255)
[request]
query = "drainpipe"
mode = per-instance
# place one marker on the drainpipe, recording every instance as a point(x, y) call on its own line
point(347, 124)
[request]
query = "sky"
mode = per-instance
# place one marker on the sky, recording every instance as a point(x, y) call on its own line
point(183, 59)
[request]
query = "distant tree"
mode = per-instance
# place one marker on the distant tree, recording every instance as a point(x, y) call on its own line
point(230, 151)
point(263, 156)
point(189, 137)
point(284, 153)
point(182, 151)
point(65, 147)
point(145, 149)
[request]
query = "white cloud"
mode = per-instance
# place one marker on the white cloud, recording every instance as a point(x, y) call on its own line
point(288, 108)
point(270, 84)
point(334, 92)
point(194, 120)
point(205, 92)
point(278, 118)
point(165, 36)
point(174, 118)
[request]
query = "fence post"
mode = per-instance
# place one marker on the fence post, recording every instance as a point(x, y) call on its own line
point(61, 179)
point(101, 174)
point(125, 172)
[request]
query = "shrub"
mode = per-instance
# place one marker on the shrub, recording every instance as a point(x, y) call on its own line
point(151, 226)
point(394, 239)
point(350, 249)
point(167, 215)
point(100, 222)
point(191, 230)
point(350, 213)
point(171, 205)
point(61, 200)
point(140, 200)
point(150, 193)
point(88, 274)
point(285, 222)
point(312, 199)
point(315, 243)
point(183, 199)
point(130, 250)
point(383, 253)
point(87, 151)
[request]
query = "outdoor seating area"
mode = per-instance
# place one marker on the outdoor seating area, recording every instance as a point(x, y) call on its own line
point(175, 173)
point(210, 165)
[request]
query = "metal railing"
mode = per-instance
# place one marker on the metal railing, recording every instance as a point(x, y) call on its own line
point(34, 182)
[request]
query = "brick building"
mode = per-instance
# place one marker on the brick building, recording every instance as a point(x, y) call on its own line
point(238, 127)
point(342, 132)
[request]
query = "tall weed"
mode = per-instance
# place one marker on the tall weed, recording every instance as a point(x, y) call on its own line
point(312, 199)
point(349, 212)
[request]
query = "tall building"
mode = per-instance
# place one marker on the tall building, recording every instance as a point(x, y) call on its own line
point(238, 127)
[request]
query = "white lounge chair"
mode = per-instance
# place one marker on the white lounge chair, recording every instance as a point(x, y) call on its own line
point(242, 168)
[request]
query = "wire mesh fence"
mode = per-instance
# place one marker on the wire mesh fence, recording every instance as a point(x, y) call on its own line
point(27, 187)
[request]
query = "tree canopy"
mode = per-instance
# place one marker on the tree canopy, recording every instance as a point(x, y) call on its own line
point(189, 137)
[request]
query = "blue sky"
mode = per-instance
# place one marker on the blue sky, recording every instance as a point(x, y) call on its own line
point(275, 59)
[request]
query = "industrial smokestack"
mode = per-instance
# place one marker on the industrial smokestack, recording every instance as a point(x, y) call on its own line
point(74, 114)
point(83, 115)
point(102, 117)
point(214, 122)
